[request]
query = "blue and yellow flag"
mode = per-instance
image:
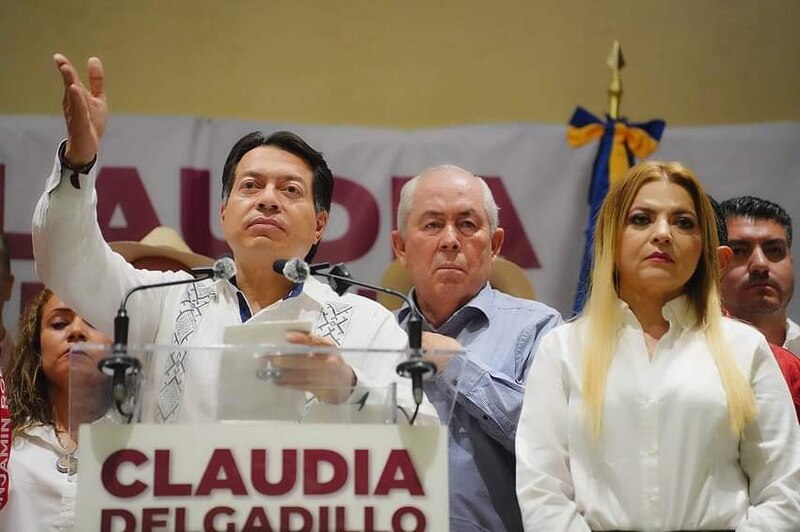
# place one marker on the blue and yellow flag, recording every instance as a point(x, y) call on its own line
point(620, 142)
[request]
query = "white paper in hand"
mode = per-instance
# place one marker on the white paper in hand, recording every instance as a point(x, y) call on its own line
point(263, 332)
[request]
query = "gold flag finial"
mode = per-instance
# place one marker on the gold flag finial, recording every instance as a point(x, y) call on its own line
point(616, 61)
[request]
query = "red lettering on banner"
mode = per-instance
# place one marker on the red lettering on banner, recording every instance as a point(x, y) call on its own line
point(286, 518)
point(150, 518)
point(180, 520)
point(369, 520)
point(399, 474)
point(361, 473)
point(362, 229)
point(312, 459)
point(221, 474)
point(162, 486)
point(258, 472)
point(110, 470)
point(110, 518)
point(121, 186)
point(295, 518)
point(196, 214)
point(420, 523)
point(257, 520)
point(341, 520)
point(211, 516)
point(5, 443)
point(516, 246)
point(323, 524)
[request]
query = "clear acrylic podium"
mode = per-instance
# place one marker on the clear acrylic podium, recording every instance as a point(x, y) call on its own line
point(256, 437)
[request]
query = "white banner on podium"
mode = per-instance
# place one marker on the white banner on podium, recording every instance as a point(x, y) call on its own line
point(262, 476)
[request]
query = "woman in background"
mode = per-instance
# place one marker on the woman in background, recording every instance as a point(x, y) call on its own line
point(42, 368)
point(652, 411)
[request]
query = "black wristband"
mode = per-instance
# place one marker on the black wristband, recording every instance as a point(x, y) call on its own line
point(74, 171)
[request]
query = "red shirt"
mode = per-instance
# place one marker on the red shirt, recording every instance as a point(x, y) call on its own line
point(790, 367)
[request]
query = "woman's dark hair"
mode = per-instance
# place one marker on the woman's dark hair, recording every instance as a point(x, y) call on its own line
point(26, 384)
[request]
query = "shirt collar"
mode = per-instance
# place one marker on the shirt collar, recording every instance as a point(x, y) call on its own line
point(792, 330)
point(480, 306)
point(678, 312)
point(44, 432)
point(244, 308)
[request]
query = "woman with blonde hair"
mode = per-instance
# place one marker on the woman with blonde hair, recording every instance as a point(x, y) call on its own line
point(51, 388)
point(653, 412)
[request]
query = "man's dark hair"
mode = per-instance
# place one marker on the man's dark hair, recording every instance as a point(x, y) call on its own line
point(722, 226)
point(758, 209)
point(322, 178)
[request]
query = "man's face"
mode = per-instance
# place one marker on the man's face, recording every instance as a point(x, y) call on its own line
point(447, 245)
point(270, 211)
point(759, 279)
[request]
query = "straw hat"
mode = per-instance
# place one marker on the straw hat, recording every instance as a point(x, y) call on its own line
point(506, 277)
point(161, 242)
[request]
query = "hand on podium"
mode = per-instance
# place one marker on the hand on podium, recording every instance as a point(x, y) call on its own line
point(325, 374)
point(438, 342)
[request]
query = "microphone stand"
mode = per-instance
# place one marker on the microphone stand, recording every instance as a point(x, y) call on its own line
point(124, 369)
point(415, 367)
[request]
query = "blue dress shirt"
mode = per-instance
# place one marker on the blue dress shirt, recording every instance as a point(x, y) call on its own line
point(499, 334)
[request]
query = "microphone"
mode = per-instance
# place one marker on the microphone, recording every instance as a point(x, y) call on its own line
point(298, 270)
point(120, 366)
point(223, 268)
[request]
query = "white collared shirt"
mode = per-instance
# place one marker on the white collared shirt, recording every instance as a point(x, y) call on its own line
point(666, 459)
point(73, 259)
point(792, 342)
point(40, 497)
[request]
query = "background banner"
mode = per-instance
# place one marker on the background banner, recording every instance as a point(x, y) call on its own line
point(166, 171)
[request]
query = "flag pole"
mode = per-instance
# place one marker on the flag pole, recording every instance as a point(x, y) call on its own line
point(616, 62)
point(620, 142)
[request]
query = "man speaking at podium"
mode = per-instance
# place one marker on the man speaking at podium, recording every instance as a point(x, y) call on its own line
point(276, 201)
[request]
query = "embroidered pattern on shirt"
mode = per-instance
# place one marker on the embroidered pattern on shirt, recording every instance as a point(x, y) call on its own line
point(190, 309)
point(333, 321)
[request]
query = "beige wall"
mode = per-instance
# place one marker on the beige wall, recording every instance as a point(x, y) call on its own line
point(411, 63)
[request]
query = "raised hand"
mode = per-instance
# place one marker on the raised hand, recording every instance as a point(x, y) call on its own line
point(85, 111)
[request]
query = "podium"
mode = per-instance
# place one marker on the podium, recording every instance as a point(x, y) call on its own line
point(186, 438)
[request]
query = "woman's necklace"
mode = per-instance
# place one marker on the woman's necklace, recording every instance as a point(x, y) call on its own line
point(66, 462)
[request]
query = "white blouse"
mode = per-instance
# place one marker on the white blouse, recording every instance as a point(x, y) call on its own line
point(40, 498)
point(666, 458)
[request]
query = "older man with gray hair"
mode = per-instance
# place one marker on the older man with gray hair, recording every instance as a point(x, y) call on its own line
point(447, 238)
